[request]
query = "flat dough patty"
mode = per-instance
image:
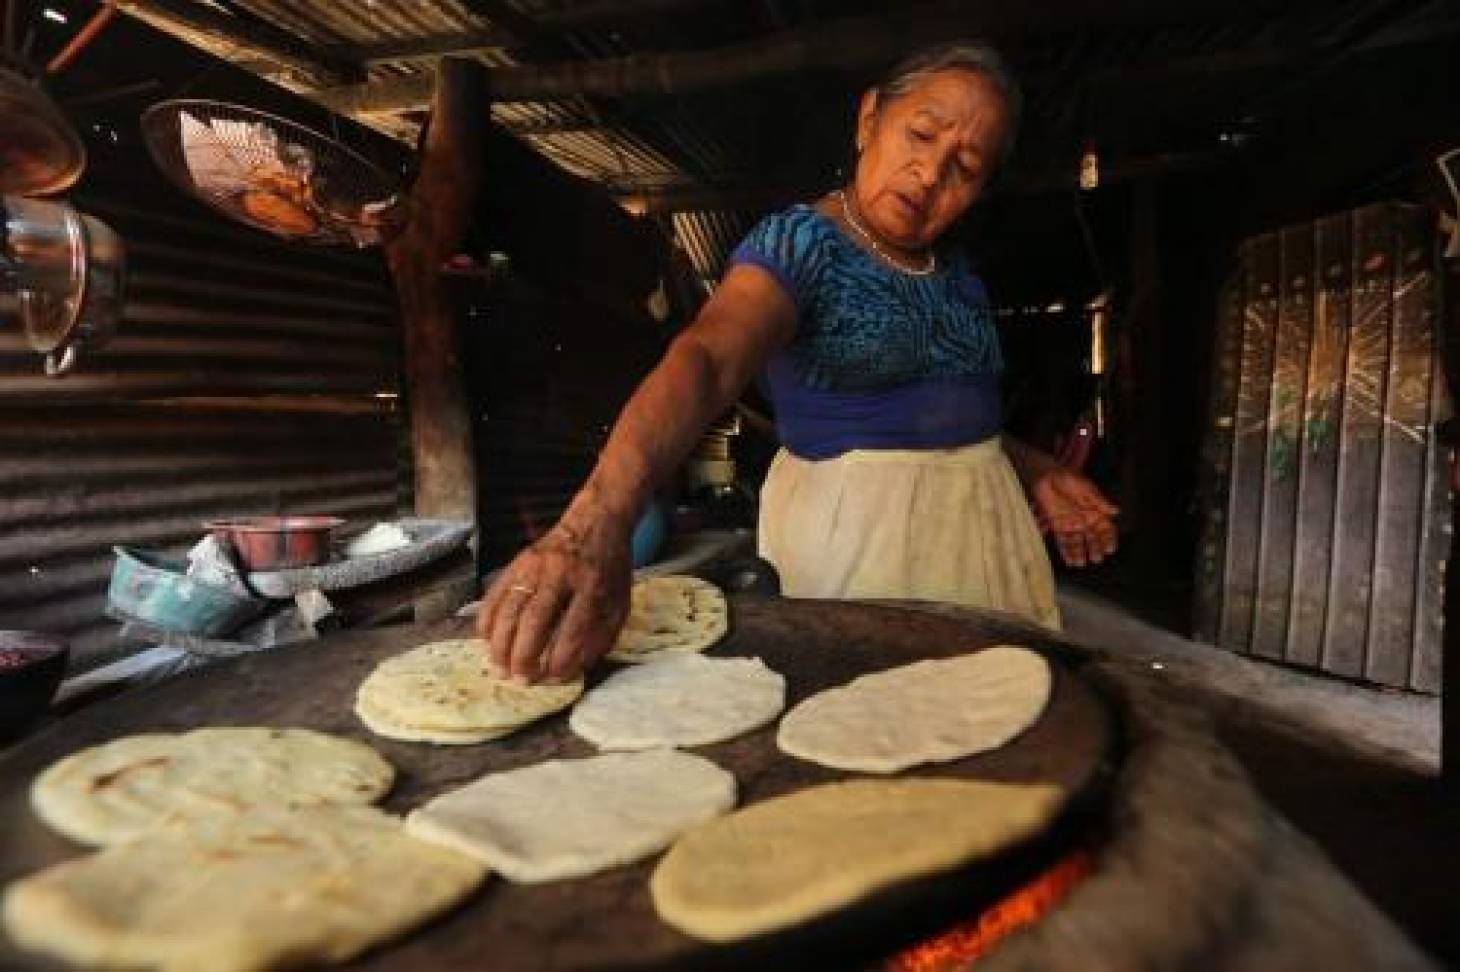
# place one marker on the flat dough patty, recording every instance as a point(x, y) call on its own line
point(126, 787)
point(242, 892)
point(790, 859)
point(574, 817)
point(927, 712)
point(684, 701)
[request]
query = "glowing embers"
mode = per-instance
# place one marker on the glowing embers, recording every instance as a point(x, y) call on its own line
point(978, 936)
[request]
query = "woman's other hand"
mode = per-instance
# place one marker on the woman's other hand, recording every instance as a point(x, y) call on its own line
point(1079, 516)
point(557, 607)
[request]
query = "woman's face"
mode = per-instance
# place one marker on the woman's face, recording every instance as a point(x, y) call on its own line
point(926, 155)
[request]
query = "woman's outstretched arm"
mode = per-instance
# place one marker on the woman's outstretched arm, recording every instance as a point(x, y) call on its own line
point(558, 605)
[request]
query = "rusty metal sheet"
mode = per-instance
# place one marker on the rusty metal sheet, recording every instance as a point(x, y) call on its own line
point(1214, 475)
point(1318, 462)
point(1401, 512)
point(1359, 442)
point(1284, 433)
point(1436, 545)
point(75, 481)
point(247, 376)
point(1249, 449)
point(1337, 507)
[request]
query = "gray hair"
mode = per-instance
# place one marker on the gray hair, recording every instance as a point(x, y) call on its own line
point(967, 55)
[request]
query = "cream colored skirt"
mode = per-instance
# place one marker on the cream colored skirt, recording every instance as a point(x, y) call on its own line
point(948, 525)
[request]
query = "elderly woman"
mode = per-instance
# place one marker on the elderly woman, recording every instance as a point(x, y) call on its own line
point(883, 365)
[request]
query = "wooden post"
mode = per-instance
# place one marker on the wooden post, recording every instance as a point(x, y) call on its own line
point(442, 201)
point(1448, 341)
point(1450, 691)
point(1141, 346)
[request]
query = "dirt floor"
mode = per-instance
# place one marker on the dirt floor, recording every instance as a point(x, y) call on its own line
point(1352, 767)
point(1390, 829)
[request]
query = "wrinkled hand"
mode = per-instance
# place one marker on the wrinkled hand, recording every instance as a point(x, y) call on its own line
point(557, 607)
point(1069, 506)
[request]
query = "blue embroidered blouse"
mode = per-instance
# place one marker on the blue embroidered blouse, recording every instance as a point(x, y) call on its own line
point(880, 359)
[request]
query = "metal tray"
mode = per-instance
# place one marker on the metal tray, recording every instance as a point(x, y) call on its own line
point(431, 540)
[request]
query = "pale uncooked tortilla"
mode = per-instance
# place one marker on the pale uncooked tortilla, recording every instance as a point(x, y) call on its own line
point(794, 858)
point(926, 712)
point(687, 701)
point(241, 892)
point(441, 692)
point(570, 818)
point(671, 615)
point(126, 787)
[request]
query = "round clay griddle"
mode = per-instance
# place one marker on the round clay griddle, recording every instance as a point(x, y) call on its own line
point(607, 921)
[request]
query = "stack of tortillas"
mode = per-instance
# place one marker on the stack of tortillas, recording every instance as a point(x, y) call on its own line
point(131, 785)
point(574, 817)
point(229, 849)
point(682, 701)
point(926, 712)
point(794, 858)
point(241, 892)
point(442, 693)
point(671, 615)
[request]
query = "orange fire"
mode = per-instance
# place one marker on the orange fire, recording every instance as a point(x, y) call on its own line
point(971, 939)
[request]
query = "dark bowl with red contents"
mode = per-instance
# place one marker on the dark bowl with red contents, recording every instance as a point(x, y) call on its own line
point(31, 666)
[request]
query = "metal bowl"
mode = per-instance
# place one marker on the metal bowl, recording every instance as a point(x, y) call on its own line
point(156, 589)
point(277, 542)
point(31, 666)
point(70, 269)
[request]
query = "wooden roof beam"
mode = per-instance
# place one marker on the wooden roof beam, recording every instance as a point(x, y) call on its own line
point(847, 44)
point(460, 43)
point(498, 35)
point(235, 39)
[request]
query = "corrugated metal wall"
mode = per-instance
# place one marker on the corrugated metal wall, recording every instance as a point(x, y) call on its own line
point(1327, 496)
point(247, 377)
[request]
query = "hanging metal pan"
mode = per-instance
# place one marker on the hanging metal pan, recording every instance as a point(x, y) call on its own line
point(70, 270)
point(40, 153)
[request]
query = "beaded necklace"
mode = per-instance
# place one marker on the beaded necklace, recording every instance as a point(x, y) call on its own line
point(888, 258)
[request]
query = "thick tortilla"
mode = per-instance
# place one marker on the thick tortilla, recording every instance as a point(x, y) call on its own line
point(240, 892)
point(126, 787)
point(570, 818)
point(926, 712)
point(441, 692)
point(385, 728)
point(671, 615)
point(685, 701)
point(790, 859)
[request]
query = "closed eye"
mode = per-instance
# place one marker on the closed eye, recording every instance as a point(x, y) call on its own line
point(969, 167)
